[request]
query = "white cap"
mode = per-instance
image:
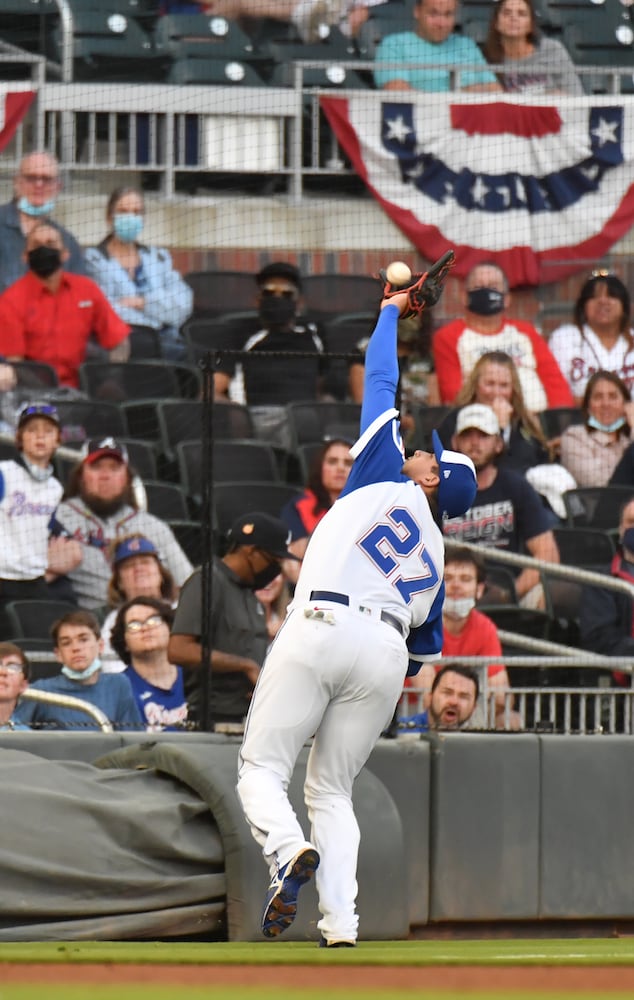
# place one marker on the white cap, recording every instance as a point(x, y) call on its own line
point(479, 416)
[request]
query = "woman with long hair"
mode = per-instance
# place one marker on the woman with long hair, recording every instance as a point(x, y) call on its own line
point(591, 450)
point(494, 381)
point(532, 63)
point(327, 476)
point(600, 337)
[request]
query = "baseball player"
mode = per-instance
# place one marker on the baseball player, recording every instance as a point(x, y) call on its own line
point(366, 612)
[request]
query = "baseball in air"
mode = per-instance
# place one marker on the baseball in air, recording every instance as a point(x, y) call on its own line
point(398, 273)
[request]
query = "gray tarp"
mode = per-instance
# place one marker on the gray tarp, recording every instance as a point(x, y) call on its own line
point(105, 854)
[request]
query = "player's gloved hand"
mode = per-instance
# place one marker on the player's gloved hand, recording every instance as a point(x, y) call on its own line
point(424, 289)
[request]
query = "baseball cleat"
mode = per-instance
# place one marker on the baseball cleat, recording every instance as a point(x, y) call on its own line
point(280, 907)
point(323, 943)
point(424, 289)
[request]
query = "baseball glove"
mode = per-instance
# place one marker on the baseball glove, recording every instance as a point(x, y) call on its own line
point(424, 289)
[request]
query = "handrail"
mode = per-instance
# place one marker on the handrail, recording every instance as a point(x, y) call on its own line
point(69, 701)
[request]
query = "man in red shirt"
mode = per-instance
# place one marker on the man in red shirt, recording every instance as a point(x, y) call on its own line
point(468, 632)
point(49, 314)
point(486, 327)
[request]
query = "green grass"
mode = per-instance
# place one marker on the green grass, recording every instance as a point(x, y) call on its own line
point(595, 951)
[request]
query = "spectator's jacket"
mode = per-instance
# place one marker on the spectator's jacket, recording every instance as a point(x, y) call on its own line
point(605, 618)
point(168, 298)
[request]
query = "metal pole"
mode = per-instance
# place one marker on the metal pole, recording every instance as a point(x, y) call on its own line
point(208, 540)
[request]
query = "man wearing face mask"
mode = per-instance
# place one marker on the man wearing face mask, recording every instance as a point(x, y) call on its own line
point(36, 187)
point(467, 631)
point(49, 315)
point(606, 617)
point(485, 327)
point(266, 384)
point(257, 544)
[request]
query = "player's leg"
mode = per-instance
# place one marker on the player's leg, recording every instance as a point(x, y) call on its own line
point(351, 726)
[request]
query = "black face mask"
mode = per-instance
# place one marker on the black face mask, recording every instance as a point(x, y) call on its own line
point(265, 576)
point(44, 261)
point(485, 301)
point(277, 311)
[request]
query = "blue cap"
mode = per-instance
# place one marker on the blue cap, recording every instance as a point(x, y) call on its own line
point(458, 484)
point(137, 545)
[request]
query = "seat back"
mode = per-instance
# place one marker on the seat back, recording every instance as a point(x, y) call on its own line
point(556, 419)
point(585, 547)
point(86, 418)
point(33, 619)
point(327, 295)
point(596, 506)
point(166, 500)
point(215, 291)
point(232, 461)
point(232, 500)
point(310, 422)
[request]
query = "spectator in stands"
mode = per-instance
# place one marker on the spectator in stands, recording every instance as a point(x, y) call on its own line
point(140, 638)
point(49, 315)
point(137, 571)
point(140, 282)
point(600, 338)
point(264, 385)
point(606, 621)
point(454, 695)
point(98, 507)
point(328, 474)
point(458, 345)
point(78, 648)
point(274, 598)
point(431, 44)
point(507, 512)
point(30, 493)
point(532, 63)
point(591, 450)
point(468, 632)
point(494, 380)
point(257, 545)
point(14, 679)
point(36, 186)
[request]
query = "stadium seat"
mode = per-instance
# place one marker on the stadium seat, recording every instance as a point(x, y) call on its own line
point(586, 547)
point(167, 501)
point(138, 380)
point(217, 292)
point(209, 333)
point(145, 343)
point(204, 49)
point(188, 534)
point(334, 51)
point(87, 418)
point(310, 422)
point(426, 419)
point(600, 37)
point(107, 45)
point(384, 19)
point(556, 419)
point(232, 461)
point(33, 619)
point(328, 295)
point(34, 377)
point(231, 500)
point(596, 506)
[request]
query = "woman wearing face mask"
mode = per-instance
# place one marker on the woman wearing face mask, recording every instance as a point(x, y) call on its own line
point(140, 281)
point(591, 451)
point(600, 338)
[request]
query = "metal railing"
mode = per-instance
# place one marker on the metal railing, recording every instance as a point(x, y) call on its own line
point(69, 701)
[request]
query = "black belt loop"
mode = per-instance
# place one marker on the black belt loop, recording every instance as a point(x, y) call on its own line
point(331, 595)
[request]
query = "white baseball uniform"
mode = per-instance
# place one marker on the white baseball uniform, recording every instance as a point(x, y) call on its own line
point(369, 597)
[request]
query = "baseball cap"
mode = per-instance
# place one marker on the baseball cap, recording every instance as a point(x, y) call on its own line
point(136, 545)
point(265, 532)
point(458, 484)
point(38, 409)
point(479, 416)
point(279, 269)
point(104, 447)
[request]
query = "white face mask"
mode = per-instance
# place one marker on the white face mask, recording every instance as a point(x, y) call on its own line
point(458, 607)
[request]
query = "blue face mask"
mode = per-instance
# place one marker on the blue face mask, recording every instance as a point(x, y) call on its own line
point(82, 675)
point(35, 210)
point(127, 226)
point(608, 428)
